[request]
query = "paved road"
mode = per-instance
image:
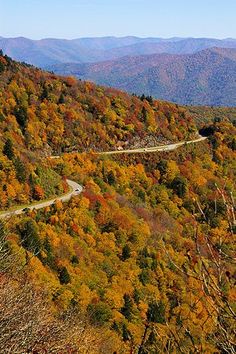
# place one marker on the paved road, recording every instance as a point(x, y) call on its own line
point(75, 189)
point(168, 147)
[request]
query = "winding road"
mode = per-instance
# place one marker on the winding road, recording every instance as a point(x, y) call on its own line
point(168, 147)
point(76, 188)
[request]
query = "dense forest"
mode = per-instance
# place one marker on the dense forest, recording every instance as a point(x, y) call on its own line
point(42, 114)
point(143, 260)
point(205, 114)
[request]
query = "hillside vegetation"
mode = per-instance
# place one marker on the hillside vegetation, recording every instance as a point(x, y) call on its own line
point(145, 255)
point(206, 115)
point(42, 114)
point(143, 260)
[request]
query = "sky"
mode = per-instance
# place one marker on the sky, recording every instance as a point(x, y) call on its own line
point(70, 19)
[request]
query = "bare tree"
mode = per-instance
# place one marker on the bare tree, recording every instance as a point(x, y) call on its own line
point(214, 269)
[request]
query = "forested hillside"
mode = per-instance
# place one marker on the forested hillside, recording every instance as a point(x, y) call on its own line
point(204, 78)
point(42, 114)
point(143, 260)
point(145, 255)
point(206, 115)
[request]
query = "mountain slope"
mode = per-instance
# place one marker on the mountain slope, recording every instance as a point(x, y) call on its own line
point(203, 78)
point(43, 114)
point(181, 46)
point(51, 51)
point(143, 259)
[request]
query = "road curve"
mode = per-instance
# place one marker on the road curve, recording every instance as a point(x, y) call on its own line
point(167, 147)
point(75, 189)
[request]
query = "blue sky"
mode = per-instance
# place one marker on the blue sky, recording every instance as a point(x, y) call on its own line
point(89, 18)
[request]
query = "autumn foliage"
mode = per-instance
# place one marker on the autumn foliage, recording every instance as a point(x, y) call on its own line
point(144, 255)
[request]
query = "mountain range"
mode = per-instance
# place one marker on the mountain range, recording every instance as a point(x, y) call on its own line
point(51, 51)
point(193, 71)
point(207, 77)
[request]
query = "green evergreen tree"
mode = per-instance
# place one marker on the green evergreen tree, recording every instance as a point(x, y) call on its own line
point(156, 312)
point(61, 99)
point(64, 276)
point(21, 115)
point(127, 309)
point(111, 178)
point(126, 335)
point(144, 114)
point(20, 170)
point(29, 236)
point(179, 185)
point(126, 252)
point(8, 149)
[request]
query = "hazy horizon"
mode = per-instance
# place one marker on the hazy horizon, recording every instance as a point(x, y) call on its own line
point(75, 19)
point(125, 36)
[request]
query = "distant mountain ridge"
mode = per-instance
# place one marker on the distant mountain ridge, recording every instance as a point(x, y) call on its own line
point(50, 51)
point(207, 77)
